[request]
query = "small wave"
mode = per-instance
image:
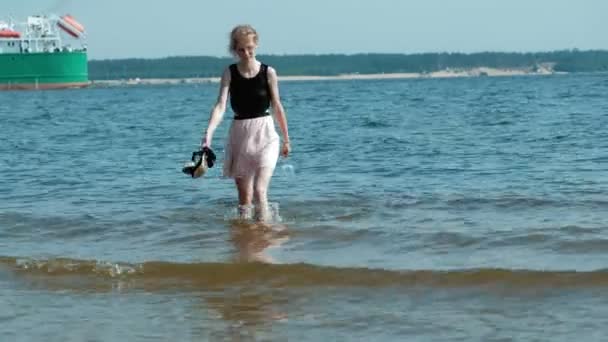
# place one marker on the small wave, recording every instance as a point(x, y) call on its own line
point(95, 109)
point(55, 227)
point(586, 246)
point(414, 99)
point(375, 123)
point(213, 275)
point(566, 239)
point(515, 201)
point(498, 123)
point(504, 201)
point(451, 239)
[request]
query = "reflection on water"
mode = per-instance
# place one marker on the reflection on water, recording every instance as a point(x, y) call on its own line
point(253, 239)
point(250, 312)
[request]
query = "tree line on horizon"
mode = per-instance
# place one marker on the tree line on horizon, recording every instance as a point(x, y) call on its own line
point(364, 63)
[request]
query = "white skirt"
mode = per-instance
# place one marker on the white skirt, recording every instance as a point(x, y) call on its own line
point(252, 144)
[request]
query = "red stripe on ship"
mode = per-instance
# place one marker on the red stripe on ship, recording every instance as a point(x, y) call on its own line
point(9, 34)
point(70, 20)
point(68, 29)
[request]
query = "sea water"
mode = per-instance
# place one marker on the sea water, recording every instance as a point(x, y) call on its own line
point(469, 209)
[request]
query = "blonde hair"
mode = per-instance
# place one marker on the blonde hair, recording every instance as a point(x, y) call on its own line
point(239, 32)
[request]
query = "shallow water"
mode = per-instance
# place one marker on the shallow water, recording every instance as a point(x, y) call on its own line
point(427, 209)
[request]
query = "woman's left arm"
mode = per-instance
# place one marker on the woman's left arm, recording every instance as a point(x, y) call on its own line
point(278, 110)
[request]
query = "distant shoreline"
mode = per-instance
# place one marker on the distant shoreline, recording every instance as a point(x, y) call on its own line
point(201, 69)
point(448, 73)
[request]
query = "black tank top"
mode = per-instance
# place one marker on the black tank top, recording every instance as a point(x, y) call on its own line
point(249, 97)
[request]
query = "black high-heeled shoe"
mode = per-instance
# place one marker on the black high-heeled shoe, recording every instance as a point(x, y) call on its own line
point(201, 161)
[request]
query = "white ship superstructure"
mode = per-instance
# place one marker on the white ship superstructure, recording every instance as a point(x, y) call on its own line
point(41, 34)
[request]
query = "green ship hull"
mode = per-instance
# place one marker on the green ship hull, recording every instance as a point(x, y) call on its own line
point(44, 70)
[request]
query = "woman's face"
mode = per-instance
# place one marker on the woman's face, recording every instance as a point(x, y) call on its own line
point(245, 48)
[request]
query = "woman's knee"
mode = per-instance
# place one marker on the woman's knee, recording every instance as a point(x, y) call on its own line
point(260, 193)
point(262, 181)
point(244, 187)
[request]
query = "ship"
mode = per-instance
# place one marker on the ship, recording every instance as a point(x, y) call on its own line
point(44, 52)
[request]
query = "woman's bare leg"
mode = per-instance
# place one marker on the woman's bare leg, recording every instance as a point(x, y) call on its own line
point(244, 186)
point(260, 193)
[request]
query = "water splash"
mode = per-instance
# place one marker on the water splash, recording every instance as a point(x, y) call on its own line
point(288, 170)
point(248, 213)
point(69, 266)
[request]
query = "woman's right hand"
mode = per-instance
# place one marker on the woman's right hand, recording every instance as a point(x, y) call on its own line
point(205, 143)
point(285, 149)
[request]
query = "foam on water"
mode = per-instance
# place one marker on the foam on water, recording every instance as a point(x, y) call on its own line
point(248, 213)
point(302, 275)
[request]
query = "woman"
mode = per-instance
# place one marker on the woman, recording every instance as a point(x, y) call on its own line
point(252, 147)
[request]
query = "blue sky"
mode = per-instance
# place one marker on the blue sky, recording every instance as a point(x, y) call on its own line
point(151, 28)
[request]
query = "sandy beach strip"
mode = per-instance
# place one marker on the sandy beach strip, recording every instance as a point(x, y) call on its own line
point(450, 73)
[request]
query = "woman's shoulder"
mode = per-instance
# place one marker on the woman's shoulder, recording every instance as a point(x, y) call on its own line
point(266, 67)
point(230, 68)
point(271, 72)
point(227, 72)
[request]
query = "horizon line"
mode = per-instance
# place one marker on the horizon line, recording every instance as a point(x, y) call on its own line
point(571, 50)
